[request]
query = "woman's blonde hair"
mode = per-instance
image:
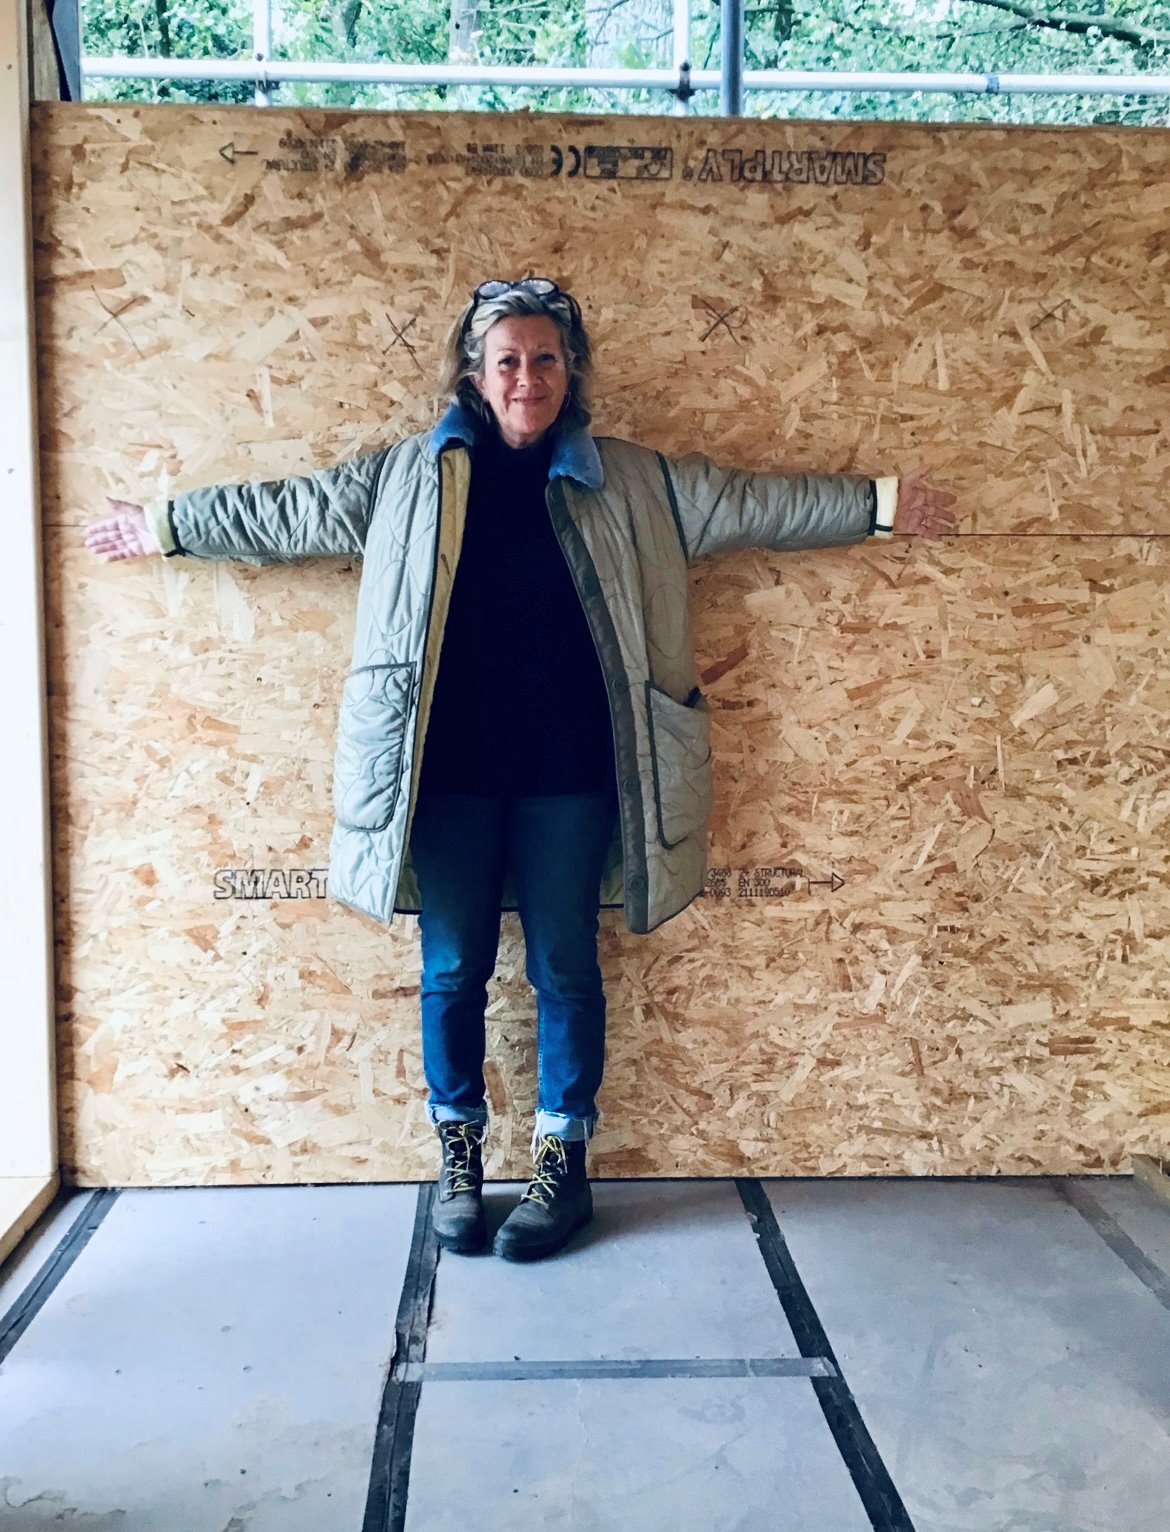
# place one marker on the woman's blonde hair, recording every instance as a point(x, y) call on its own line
point(463, 357)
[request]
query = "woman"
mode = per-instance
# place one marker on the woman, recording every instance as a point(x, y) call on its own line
point(566, 759)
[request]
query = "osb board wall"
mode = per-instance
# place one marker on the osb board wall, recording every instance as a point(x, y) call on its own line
point(935, 939)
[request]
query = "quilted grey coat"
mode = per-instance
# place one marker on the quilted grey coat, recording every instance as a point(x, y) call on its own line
point(629, 521)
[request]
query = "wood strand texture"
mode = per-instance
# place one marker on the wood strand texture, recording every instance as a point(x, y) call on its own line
point(937, 928)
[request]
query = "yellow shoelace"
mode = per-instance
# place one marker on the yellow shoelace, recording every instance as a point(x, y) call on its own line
point(461, 1138)
point(552, 1162)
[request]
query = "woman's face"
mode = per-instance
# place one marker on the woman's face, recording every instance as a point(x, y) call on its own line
point(525, 379)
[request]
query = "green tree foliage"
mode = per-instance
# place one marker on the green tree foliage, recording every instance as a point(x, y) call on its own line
point(960, 36)
point(967, 36)
point(198, 29)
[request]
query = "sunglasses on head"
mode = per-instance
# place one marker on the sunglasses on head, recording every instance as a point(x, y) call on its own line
point(539, 287)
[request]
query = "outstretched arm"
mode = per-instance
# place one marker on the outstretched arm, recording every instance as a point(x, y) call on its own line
point(275, 521)
point(323, 513)
point(720, 509)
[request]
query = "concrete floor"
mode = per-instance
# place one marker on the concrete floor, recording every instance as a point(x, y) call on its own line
point(814, 1356)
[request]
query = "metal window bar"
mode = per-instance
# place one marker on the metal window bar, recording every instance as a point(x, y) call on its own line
point(680, 56)
point(731, 58)
point(262, 45)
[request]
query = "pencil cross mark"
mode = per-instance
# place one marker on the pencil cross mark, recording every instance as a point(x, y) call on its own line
point(723, 320)
point(400, 339)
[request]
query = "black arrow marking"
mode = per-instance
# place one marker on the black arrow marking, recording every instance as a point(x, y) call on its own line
point(230, 153)
point(832, 883)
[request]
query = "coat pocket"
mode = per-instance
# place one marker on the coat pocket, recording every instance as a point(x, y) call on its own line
point(680, 757)
point(371, 739)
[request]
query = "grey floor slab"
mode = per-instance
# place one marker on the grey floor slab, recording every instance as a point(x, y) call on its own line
point(214, 1360)
point(1011, 1369)
point(667, 1269)
point(666, 1456)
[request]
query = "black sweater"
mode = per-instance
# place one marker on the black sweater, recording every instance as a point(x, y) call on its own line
point(520, 703)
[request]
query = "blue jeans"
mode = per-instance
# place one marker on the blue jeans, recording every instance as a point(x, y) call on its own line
point(554, 846)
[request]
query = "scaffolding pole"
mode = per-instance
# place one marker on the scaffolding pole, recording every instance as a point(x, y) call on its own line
point(269, 73)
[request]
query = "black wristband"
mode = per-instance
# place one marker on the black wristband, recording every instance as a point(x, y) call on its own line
point(178, 548)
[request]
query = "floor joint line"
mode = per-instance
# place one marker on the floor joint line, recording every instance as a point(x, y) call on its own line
point(584, 1369)
point(1148, 1272)
point(394, 1437)
point(38, 1292)
point(883, 1505)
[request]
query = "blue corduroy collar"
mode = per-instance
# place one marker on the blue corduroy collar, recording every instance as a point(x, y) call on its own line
point(575, 454)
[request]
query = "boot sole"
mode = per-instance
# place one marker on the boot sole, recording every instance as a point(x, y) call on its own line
point(508, 1252)
point(463, 1244)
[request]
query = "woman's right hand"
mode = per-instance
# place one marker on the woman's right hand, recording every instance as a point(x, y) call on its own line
point(124, 535)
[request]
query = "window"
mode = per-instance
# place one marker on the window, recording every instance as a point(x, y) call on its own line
point(987, 41)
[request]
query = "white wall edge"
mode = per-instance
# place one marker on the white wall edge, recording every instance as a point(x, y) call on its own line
point(28, 1138)
point(23, 1200)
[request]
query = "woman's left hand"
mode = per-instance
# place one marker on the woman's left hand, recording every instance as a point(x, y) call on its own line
point(923, 511)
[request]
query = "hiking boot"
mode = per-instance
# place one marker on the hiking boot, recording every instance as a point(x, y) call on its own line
point(557, 1203)
point(457, 1213)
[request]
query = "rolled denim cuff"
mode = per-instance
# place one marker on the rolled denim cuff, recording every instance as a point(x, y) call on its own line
point(440, 1112)
point(556, 1124)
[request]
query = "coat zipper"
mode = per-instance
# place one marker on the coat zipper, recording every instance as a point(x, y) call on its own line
point(558, 490)
point(416, 753)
